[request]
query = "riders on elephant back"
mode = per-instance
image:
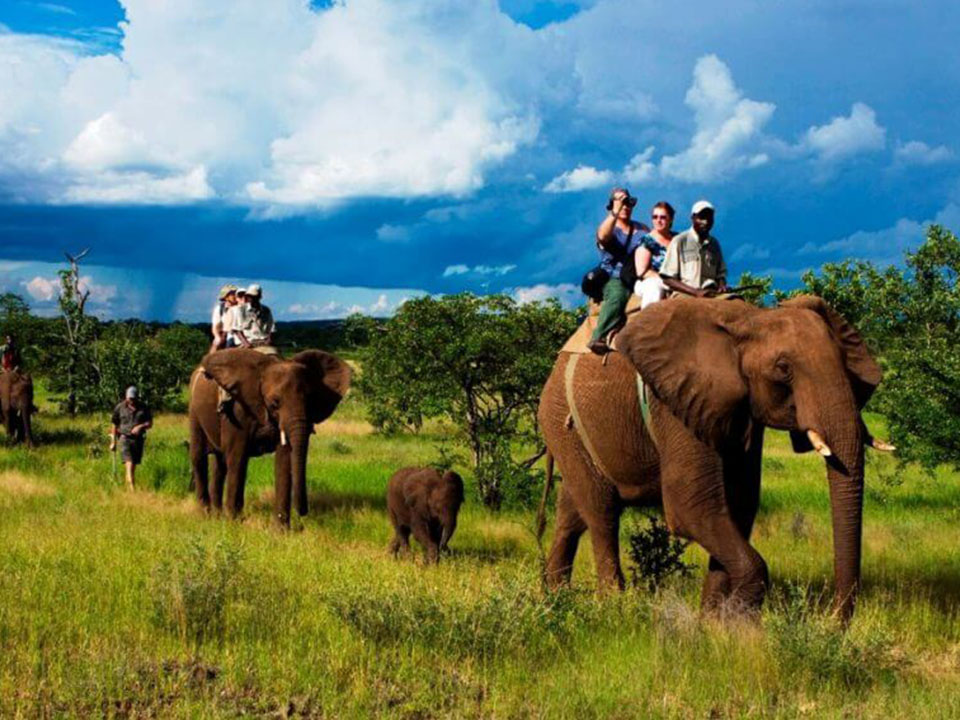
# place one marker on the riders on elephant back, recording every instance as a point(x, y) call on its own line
point(639, 266)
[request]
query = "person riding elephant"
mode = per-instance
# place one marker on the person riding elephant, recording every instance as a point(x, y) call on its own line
point(16, 406)
point(716, 373)
point(276, 403)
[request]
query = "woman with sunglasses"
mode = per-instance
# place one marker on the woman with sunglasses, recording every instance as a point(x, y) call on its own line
point(617, 237)
point(650, 254)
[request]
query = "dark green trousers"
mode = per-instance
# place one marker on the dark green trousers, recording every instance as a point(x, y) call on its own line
point(615, 297)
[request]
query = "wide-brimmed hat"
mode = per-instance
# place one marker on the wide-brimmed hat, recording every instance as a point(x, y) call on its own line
point(227, 289)
point(254, 289)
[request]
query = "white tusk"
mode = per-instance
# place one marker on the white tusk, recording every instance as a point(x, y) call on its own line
point(283, 438)
point(882, 445)
point(818, 443)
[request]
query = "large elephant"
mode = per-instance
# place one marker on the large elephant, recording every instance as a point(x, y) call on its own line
point(275, 405)
point(717, 373)
point(16, 406)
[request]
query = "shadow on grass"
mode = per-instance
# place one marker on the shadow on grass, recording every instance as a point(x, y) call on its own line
point(62, 436)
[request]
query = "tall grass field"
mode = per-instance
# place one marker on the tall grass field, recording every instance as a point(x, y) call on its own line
point(120, 604)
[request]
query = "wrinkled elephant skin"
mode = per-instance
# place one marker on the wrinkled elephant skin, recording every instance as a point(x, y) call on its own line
point(16, 406)
point(275, 404)
point(719, 372)
point(421, 501)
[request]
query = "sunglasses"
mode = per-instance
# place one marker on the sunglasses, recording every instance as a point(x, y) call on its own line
point(661, 217)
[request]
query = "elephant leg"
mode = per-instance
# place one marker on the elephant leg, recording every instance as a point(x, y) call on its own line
point(199, 463)
point(604, 526)
point(570, 526)
point(236, 457)
point(400, 541)
point(282, 486)
point(219, 479)
point(742, 491)
point(421, 531)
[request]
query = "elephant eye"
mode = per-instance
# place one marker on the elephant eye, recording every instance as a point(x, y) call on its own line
point(273, 403)
point(783, 370)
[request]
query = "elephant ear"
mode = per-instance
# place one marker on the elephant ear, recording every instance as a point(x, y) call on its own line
point(686, 353)
point(238, 372)
point(864, 372)
point(329, 380)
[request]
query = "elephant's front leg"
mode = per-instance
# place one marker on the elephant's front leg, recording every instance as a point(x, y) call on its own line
point(282, 485)
point(236, 459)
point(199, 464)
point(741, 474)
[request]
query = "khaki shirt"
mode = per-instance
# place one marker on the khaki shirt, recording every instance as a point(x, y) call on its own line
point(257, 324)
point(694, 262)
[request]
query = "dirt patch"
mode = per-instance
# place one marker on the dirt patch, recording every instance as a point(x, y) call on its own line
point(20, 485)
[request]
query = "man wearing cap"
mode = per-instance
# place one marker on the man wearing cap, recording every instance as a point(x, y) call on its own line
point(694, 262)
point(131, 420)
point(221, 324)
point(256, 326)
point(617, 237)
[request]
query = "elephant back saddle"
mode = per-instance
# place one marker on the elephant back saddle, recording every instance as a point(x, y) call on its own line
point(577, 343)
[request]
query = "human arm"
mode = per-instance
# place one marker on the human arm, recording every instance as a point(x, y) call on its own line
point(642, 260)
point(721, 272)
point(605, 229)
point(681, 287)
point(670, 272)
point(146, 422)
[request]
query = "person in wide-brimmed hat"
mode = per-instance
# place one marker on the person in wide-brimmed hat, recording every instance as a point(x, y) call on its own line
point(221, 323)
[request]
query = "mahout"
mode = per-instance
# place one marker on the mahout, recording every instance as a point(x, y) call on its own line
point(426, 503)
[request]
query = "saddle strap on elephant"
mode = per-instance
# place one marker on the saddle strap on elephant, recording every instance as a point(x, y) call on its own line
point(642, 397)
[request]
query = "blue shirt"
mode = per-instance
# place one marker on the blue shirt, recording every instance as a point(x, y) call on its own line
point(613, 264)
point(657, 251)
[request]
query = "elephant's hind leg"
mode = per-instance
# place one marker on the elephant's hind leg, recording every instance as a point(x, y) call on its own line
point(570, 526)
point(219, 478)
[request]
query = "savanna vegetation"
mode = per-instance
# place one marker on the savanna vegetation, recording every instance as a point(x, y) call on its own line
point(123, 604)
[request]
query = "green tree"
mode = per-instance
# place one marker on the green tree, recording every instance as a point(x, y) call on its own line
point(910, 317)
point(479, 361)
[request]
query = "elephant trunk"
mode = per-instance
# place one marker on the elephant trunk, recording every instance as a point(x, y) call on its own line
point(298, 436)
point(841, 429)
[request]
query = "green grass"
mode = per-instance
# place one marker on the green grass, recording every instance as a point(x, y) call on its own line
point(135, 605)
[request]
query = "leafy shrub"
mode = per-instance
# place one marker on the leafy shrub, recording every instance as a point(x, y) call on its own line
point(654, 554)
point(192, 590)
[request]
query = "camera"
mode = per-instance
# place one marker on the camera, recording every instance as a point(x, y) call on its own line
point(630, 201)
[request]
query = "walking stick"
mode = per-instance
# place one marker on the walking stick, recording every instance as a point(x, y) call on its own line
point(114, 453)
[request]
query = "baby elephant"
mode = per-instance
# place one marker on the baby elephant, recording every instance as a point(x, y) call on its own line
point(423, 501)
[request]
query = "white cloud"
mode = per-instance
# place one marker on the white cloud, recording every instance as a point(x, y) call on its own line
point(847, 136)
point(582, 177)
point(728, 127)
point(393, 233)
point(288, 107)
point(640, 170)
point(916, 152)
point(41, 288)
point(140, 188)
point(456, 270)
point(381, 305)
point(749, 251)
point(99, 294)
point(884, 245)
point(568, 294)
point(330, 309)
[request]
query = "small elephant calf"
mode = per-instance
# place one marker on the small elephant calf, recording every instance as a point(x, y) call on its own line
point(424, 502)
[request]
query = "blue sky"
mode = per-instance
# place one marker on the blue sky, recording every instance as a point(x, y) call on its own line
point(350, 155)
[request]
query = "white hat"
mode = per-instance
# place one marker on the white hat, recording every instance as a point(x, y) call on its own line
point(700, 205)
point(132, 393)
point(255, 289)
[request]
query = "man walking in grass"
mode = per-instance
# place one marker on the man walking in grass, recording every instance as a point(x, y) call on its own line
point(131, 420)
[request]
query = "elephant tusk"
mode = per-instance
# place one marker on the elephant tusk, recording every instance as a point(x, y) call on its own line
point(283, 438)
point(882, 445)
point(818, 443)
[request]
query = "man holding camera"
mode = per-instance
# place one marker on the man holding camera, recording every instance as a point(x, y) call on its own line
point(617, 237)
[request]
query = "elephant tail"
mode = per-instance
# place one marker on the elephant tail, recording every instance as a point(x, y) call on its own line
point(547, 488)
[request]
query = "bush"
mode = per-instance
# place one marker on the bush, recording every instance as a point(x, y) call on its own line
point(654, 555)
